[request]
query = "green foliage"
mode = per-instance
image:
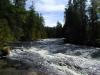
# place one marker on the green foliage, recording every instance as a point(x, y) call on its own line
point(51, 32)
point(81, 25)
point(75, 20)
point(17, 23)
point(54, 32)
point(5, 33)
point(34, 25)
point(19, 3)
point(59, 30)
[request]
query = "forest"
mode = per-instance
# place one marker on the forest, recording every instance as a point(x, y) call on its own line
point(28, 46)
point(19, 24)
point(81, 23)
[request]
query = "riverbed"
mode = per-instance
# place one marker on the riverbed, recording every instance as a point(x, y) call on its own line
point(54, 57)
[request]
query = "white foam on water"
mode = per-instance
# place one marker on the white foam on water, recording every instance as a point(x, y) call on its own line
point(55, 63)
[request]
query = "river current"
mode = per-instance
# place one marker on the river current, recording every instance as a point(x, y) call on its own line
point(53, 57)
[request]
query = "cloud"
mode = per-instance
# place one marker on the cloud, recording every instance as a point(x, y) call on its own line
point(50, 6)
point(52, 10)
point(52, 18)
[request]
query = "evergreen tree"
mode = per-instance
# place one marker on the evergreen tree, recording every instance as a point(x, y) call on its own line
point(59, 30)
point(50, 32)
point(19, 3)
point(19, 23)
point(5, 31)
point(34, 26)
point(75, 20)
point(93, 21)
point(30, 24)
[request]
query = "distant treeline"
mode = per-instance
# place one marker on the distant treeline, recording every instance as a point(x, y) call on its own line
point(82, 22)
point(54, 32)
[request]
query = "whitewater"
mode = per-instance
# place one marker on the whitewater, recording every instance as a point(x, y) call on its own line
point(53, 57)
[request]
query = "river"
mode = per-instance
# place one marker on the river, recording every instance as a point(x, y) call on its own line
point(53, 57)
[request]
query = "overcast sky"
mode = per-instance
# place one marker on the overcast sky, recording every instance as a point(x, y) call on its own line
point(52, 10)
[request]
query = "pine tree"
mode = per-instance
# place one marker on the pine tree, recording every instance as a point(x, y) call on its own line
point(75, 21)
point(20, 3)
point(93, 22)
point(59, 30)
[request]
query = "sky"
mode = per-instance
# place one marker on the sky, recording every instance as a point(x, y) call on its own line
point(51, 10)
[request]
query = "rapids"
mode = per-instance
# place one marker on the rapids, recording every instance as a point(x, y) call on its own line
point(53, 57)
